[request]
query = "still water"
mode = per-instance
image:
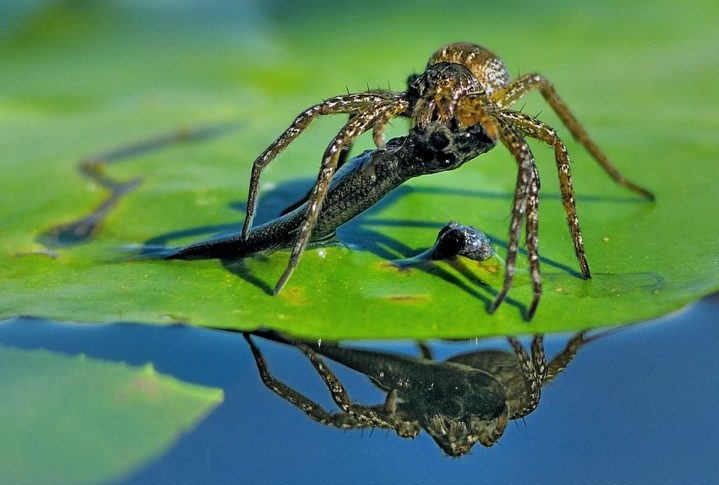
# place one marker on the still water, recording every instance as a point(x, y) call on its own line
point(634, 406)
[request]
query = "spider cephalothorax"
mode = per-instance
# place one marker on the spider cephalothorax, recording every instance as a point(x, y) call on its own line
point(464, 85)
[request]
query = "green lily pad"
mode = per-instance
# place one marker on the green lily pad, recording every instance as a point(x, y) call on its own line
point(80, 79)
point(98, 420)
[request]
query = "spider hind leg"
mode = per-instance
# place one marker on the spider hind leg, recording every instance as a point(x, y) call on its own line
point(531, 82)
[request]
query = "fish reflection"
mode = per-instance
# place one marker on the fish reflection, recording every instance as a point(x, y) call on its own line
point(463, 400)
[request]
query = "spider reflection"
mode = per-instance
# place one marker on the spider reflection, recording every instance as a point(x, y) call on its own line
point(466, 399)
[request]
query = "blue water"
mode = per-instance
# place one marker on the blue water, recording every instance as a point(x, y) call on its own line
point(638, 406)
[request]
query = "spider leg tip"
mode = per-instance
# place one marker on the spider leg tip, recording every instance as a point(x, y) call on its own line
point(644, 193)
point(532, 308)
point(495, 304)
point(244, 235)
point(278, 288)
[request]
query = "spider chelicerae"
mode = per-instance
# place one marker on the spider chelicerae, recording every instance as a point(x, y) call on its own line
point(463, 85)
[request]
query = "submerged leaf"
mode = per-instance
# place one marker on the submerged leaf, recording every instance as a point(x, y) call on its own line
point(72, 419)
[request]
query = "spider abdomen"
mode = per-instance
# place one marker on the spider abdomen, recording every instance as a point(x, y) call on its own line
point(484, 65)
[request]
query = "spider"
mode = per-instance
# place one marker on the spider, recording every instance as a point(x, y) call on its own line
point(466, 399)
point(463, 85)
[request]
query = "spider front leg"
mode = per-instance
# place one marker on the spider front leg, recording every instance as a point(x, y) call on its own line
point(530, 82)
point(536, 129)
point(477, 110)
point(380, 125)
point(347, 135)
point(349, 104)
point(514, 142)
point(340, 161)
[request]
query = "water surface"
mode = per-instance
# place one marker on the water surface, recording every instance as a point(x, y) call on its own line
point(637, 406)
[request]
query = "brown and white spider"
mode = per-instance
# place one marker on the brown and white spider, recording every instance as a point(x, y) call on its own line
point(463, 85)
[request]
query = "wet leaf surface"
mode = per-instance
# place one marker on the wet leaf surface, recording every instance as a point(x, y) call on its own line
point(85, 79)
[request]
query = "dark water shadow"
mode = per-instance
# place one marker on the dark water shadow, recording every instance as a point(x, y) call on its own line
point(238, 267)
point(460, 402)
point(94, 168)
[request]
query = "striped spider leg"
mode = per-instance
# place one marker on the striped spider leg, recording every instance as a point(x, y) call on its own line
point(377, 116)
point(352, 104)
point(536, 372)
point(527, 83)
point(525, 206)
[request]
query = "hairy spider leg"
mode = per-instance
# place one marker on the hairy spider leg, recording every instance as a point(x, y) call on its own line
point(562, 360)
point(541, 372)
point(536, 129)
point(347, 135)
point(344, 155)
point(313, 410)
point(477, 110)
point(379, 127)
point(539, 359)
point(531, 379)
point(532, 238)
point(519, 149)
point(349, 104)
point(530, 82)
